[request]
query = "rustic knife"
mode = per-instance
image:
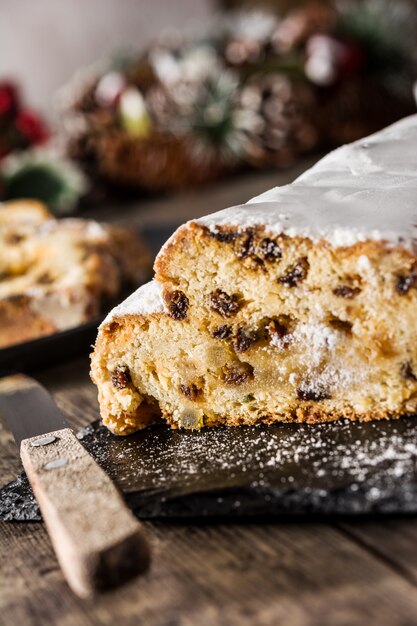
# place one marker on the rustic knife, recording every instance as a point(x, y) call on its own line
point(98, 542)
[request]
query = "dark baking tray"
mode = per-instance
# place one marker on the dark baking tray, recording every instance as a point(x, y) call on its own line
point(59, 347)
point(287, 470)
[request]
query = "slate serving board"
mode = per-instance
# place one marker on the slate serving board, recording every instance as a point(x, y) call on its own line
point(284, 470)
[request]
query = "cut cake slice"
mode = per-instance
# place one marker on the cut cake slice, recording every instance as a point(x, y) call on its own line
point(298, 306)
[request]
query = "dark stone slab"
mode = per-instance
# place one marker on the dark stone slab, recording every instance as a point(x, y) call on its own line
point(343, 468)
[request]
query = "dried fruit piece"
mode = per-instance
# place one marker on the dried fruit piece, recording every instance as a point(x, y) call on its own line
point(245, 247)
point(405, 283)
point(269, 250)
point(245, 337)
point(121, 378)
point(237, 374)
point(265, 250)
point(274, 329)
point(177, 303)
point(222, 332)
point(224, 236)
point(295, 274)
point(224, 304)
point(308, 390)
point(192, 392)
point(344, 291)
point(406, 371)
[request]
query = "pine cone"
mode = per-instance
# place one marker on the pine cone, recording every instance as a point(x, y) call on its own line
point(159, 162)
point(282, 127)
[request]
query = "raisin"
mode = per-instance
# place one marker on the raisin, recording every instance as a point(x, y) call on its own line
point(177, 303)
point(245, 248)
point(266, 250)
point(295, 274)
point(244, 339)
point(406, 371)
point(224, 236)
point(275, 329)
point(308, 391)
point(346, 292)
point(224, 304)
point(269, 250)
point(190, 391)
point(222, 332)
point(237, 375)
point(405, 283)
point(121, 377)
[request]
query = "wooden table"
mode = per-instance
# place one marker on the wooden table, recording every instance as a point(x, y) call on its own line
point(341, 573)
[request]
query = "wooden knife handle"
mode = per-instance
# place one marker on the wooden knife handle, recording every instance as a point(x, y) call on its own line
point(97, 540)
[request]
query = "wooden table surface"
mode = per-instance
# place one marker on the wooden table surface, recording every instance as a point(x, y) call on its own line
point(339, 573)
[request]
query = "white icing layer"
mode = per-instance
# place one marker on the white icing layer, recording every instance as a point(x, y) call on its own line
point(147, 299)
point(366, 190)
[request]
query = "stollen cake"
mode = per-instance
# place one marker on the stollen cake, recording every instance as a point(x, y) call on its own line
point(298, 306)
point(58, 273)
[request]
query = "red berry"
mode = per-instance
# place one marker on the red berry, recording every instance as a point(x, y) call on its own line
point(31, 126)
point(9, 99)
point(352, 59)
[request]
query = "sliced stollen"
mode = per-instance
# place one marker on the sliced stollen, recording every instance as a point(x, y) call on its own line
point(56, 273)
point(298, 306)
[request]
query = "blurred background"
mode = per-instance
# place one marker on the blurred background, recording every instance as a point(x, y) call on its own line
point(131, 97)
point(43, 43)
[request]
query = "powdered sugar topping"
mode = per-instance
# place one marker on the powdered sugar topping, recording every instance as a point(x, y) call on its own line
point(363, 191)
point(147, 299)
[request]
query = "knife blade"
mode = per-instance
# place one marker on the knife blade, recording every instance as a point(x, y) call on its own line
point(97, 540)
point(28, 408)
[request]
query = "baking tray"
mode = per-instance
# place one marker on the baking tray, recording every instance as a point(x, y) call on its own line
point(62, 346)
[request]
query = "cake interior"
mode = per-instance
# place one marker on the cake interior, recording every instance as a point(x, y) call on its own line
point(264, 328)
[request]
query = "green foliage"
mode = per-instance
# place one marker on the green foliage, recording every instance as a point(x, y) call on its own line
point(214, 117)
point(387, 32)
point(44, 176)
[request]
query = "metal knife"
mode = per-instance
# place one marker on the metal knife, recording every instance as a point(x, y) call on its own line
point(97, 540)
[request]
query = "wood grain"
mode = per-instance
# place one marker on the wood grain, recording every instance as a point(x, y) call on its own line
point(300, 574)
point(98, 542)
